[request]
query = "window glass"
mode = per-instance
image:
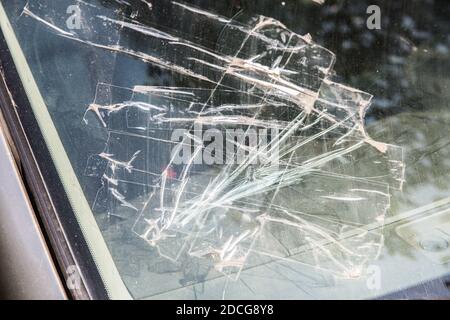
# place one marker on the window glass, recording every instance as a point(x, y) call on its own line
point(248, 149)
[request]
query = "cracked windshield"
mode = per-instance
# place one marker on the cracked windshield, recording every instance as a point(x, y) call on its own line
point(247, 149)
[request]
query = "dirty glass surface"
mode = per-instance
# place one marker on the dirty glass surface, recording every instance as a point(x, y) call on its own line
point(254, 149)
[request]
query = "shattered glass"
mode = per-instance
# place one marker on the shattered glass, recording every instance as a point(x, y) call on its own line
point(260, 157)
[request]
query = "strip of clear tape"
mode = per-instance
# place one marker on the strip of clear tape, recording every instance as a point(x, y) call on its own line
point(262, 158)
